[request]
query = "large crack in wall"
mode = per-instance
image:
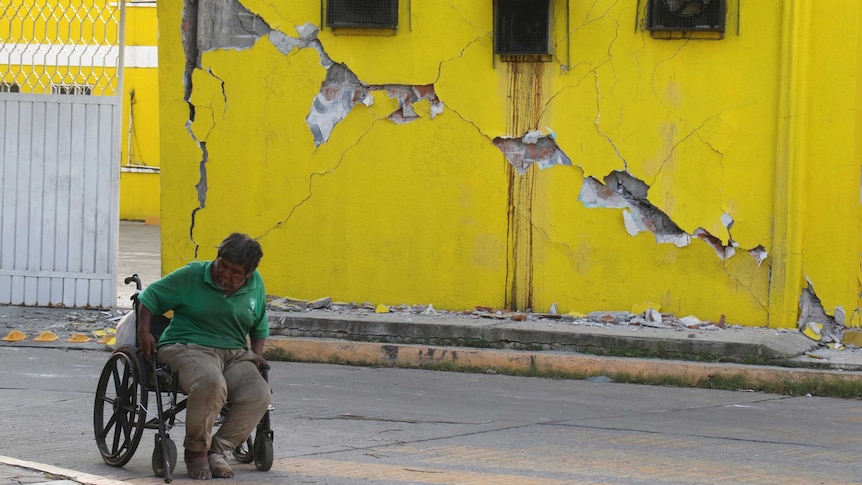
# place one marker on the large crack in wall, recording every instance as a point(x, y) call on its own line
point(227, 24)
point(621, 190)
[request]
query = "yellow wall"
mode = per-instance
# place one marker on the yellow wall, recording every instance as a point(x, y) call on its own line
point(137, 189)
point(760, 126)
point(139, 144)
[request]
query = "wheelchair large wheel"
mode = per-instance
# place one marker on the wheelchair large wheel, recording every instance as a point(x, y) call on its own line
point(119, 412)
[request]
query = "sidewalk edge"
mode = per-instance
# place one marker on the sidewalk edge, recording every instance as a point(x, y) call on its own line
point(82, 478)
point(464, 358)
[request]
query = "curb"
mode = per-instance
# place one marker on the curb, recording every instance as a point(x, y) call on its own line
point(547, 362)
point(770, 347)
point(82, 478)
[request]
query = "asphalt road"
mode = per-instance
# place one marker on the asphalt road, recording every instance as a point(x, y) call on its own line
point(346, 425)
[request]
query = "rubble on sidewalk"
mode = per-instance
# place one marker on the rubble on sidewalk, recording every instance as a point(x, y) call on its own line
point(648, 317)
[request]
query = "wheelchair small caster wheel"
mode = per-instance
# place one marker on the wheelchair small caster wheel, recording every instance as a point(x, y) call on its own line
point(159, 460)
point(263, 451)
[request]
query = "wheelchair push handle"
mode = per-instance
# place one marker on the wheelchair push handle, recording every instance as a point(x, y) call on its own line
point(134, 278)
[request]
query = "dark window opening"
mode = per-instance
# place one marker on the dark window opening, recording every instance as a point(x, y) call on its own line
point(522, 27)
point(686, 15)
point(368, 14)
point(10, 88)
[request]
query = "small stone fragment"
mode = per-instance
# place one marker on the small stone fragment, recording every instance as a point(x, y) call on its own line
point(324, 302)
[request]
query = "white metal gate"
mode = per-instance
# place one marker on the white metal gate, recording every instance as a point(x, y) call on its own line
point(60, 107)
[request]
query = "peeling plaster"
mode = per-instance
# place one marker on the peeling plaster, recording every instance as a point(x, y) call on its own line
point(340, 92)
point(621, 190)
point(407, 96)
point(534, 147)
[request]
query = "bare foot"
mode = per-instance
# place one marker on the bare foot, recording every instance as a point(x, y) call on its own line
point(197, 465)
point(218, 466)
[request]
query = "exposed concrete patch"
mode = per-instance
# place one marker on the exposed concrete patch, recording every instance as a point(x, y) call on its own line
point(534, 147)
point(830, 329)
point(407, 96)
point(339, 93)
point(621, 190)
point(342, 90)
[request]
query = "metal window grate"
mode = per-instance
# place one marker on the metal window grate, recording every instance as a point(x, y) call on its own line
point(9, 88)
point(61, 42)
point(373, 14)
point(686, 15)
point(522, 26)
point(73, 89)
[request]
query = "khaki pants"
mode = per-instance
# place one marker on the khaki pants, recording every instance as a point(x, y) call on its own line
point(211, 377)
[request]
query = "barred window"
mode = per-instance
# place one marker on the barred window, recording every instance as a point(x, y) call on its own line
point(522, 27)
point(375, 14)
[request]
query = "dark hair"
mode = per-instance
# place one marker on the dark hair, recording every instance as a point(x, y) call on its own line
point(241, 249)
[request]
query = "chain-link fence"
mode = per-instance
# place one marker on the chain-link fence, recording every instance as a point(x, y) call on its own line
point(61, 46)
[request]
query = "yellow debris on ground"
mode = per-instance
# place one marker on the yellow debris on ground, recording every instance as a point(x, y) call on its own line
point(812, 330)
point(46, 336)
point(381, 309)
point(78, 338)
point(104, 332)
point(107, 339)
point(14, 336)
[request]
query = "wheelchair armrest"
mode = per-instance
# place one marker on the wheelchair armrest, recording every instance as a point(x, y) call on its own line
point(158, 325)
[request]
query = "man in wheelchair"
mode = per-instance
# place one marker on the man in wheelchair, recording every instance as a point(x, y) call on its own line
point(217, 305)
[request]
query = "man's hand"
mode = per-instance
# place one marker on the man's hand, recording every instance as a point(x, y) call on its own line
point(257, 348)
point(260, 362)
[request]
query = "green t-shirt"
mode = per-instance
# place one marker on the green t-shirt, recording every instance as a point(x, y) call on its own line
point(203, 315)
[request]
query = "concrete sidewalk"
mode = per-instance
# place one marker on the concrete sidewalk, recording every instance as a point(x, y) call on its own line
point(552, 346)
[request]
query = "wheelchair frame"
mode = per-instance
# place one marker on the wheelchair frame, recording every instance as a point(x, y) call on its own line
point(120, 411)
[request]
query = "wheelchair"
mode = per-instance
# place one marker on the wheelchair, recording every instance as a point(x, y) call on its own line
point(128, 387)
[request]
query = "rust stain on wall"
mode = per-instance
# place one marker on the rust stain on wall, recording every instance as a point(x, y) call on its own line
point(523, 115)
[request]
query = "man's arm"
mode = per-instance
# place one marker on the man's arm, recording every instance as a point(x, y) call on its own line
point(257, 348)
point(146, 341)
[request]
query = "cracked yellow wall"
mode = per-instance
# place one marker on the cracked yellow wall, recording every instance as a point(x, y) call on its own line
point(424, 212)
